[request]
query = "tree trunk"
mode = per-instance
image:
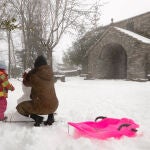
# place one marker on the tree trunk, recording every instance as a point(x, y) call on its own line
point(9, 57)
point(49, 58)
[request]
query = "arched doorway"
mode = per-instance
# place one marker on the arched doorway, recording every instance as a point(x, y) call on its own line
point(113, 62)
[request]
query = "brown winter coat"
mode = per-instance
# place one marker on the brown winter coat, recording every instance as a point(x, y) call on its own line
point(44, 100)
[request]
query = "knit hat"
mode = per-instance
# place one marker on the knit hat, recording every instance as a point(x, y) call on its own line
point(3, 65)
point(40, 61)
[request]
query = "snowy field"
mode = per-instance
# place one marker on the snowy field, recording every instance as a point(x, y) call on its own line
point(82, 100)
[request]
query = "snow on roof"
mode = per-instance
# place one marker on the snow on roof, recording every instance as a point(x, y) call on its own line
point(135, 35)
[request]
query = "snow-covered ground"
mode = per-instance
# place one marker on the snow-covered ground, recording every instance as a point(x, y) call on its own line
point(82, 100)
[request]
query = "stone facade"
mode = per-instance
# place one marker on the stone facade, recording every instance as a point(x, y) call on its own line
point(117, 55)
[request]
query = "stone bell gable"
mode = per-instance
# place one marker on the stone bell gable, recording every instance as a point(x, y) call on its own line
point(120, 54)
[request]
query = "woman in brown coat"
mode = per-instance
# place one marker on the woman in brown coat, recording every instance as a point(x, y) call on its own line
point(43, 97)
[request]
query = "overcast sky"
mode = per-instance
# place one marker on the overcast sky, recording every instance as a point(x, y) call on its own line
point(122, 9)
point(116, 9)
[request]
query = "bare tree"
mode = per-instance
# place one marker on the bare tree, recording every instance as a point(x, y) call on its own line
point(66, 15)
point(46, 21)
point(27, 14)
point(7, 23)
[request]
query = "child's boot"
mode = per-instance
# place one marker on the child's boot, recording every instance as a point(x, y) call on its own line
point(3, 119)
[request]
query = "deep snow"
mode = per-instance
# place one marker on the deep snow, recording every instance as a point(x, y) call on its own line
point(82, 100)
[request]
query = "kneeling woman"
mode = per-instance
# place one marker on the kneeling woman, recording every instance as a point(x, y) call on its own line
point(43, 97)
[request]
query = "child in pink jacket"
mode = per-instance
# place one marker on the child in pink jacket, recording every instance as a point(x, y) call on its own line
point(4, 87)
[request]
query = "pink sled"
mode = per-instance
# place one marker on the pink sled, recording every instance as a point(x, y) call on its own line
point(105, 128)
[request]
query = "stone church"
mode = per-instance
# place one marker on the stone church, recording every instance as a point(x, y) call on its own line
point(123, 50)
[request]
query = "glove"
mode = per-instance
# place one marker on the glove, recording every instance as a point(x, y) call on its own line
point(24, 75)
point(12, 87)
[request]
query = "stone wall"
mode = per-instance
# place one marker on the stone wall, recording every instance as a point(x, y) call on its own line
point(139, 24)
point(137, 56)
